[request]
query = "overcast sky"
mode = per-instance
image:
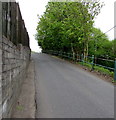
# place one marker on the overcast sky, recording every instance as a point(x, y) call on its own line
point(31, 8)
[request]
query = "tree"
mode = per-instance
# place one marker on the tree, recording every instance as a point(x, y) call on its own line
point(67, 26)
point(100, 45)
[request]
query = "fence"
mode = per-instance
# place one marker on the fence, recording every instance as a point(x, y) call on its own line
point(13, 25)
point(91, 60)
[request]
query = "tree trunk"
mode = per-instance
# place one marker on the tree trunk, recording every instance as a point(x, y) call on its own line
point(86, 50)
point(73, 51)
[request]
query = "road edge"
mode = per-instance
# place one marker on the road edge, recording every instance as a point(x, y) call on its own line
point(25, 106)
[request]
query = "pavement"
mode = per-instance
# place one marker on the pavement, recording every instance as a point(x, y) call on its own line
point(65, 91)
point(25, 105)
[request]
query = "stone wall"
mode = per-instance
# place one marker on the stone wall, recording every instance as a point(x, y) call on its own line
point(0, 60)
point(15, 60)
point(14, 56)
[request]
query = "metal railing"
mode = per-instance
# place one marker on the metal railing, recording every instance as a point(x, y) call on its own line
point(92, 60)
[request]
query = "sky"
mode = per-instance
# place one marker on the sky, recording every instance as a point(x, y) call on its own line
point(31, 8)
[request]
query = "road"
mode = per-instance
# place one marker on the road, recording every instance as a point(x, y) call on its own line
point(65, 91)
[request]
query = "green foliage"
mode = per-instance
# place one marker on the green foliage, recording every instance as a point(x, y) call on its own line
point(113, 48)
point(99, 69)
point(66, 26)
point(104, 71)
point(99, 44)
point(86, 64)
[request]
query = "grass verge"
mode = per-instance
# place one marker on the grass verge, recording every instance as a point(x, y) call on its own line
point(102, 70)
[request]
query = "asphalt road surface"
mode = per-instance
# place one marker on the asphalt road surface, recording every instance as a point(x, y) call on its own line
point(65, 91)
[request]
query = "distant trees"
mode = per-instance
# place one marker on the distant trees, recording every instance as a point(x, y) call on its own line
point(68, 27)
point(100, 46)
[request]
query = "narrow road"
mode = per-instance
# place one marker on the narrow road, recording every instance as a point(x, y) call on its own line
point(65, 91)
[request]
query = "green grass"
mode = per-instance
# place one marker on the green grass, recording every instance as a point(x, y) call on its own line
point(98, 69)
point(86, 64)
point(104, 71)
point(114, 81)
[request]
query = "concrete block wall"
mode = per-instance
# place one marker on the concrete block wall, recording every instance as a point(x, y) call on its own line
point(15, 60)
point(0, 60)
point(0, 80)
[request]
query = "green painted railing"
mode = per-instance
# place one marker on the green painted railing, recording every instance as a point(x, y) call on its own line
point(80, 58)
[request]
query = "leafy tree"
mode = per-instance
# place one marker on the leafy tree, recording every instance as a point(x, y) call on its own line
point(67, 26)
point(98, 42)
point(114, 48)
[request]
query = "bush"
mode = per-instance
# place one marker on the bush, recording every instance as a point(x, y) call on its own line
point(104, 71)
point(99, 69)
